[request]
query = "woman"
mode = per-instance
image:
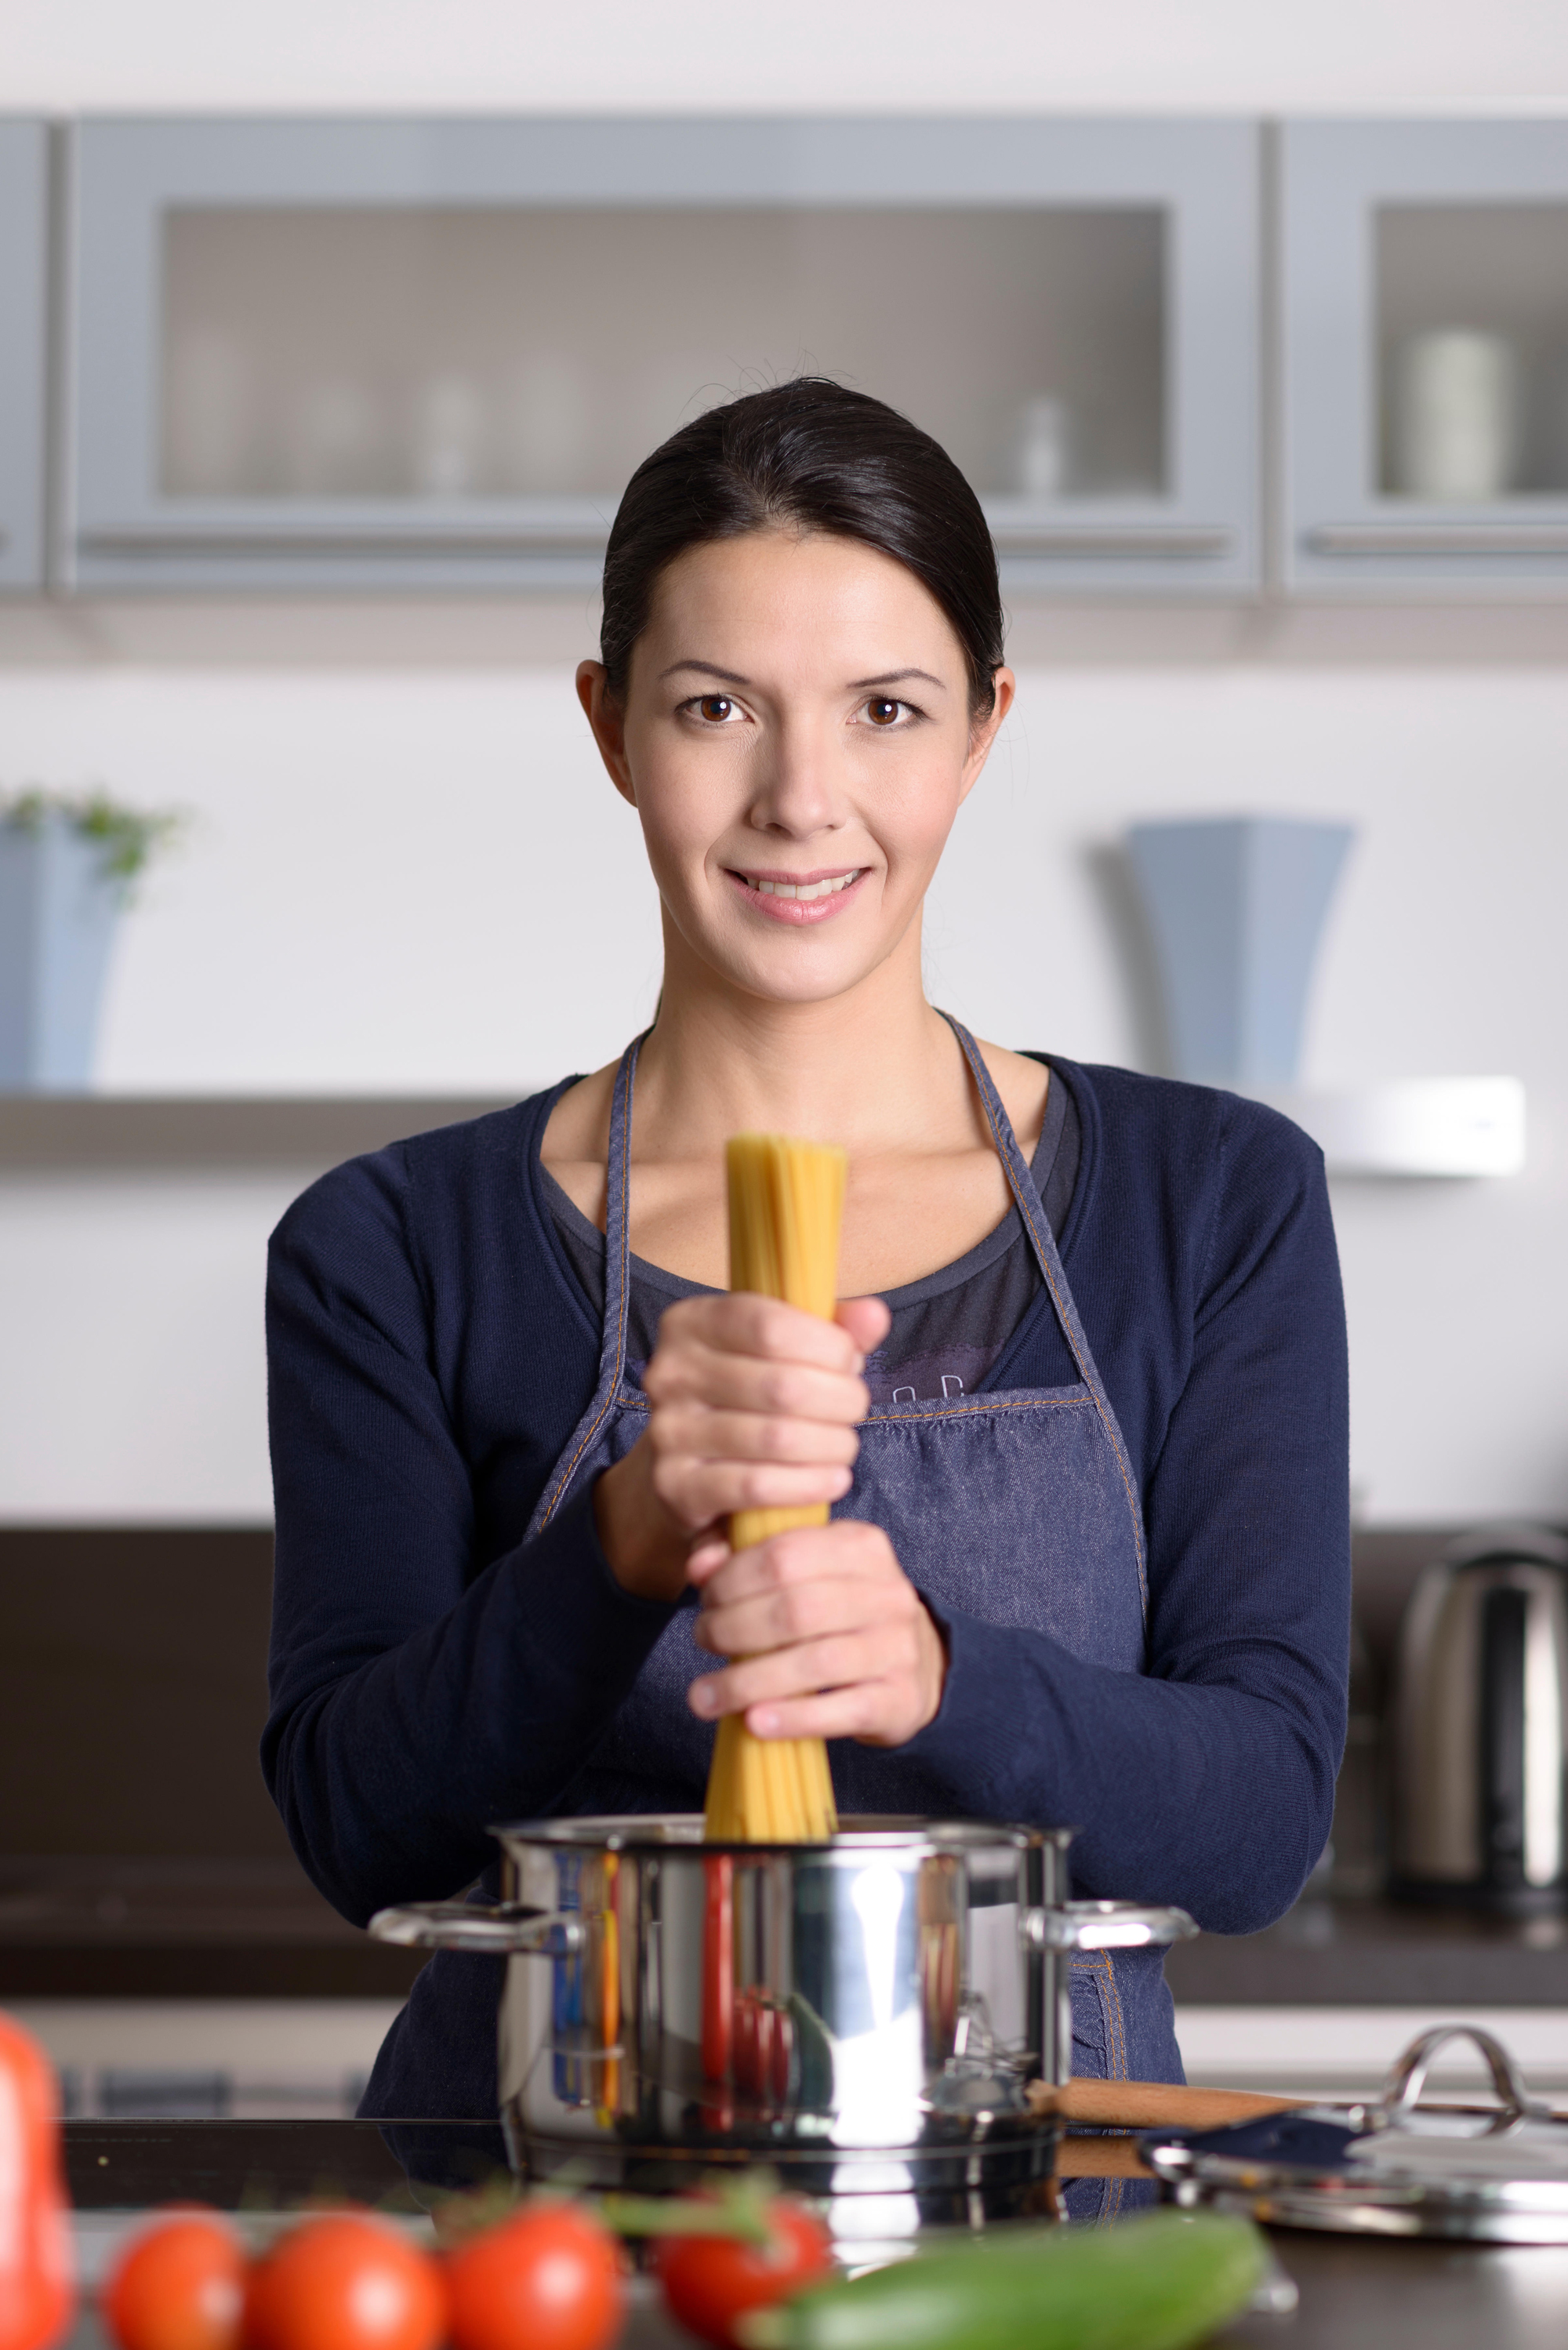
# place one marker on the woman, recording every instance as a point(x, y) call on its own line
point(1082, 1418)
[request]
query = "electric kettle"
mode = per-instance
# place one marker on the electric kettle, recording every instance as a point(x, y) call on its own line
point(1480, 1726)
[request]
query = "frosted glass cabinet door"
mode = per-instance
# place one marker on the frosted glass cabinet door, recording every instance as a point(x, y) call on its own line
point(24, 278)
point(372, 354)
point(1426, 357)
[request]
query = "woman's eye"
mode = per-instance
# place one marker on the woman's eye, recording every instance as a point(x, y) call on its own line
point(715, 708)
point(883, 712)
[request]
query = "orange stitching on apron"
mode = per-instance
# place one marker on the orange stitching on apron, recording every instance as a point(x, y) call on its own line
point(1114, 2008)
point(1026, 1211)
point(936, 1411)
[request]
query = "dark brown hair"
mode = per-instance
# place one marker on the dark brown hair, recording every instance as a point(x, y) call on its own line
point(812, 456)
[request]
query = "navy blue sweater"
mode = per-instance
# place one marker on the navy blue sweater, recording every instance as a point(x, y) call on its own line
point(431, 1350)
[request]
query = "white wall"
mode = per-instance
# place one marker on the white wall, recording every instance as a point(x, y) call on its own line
point(401, 835)
point(835, 55)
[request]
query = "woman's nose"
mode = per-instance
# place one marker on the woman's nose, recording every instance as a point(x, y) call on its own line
point(799, 791)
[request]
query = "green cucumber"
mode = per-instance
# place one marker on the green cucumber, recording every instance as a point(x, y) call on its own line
point(1154, 2282)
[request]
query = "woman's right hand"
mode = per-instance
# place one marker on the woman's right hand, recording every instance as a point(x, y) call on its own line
point(753, 1405)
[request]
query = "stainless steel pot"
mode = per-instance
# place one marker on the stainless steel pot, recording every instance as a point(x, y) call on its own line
point(1481, 1725)
point(865, 2015)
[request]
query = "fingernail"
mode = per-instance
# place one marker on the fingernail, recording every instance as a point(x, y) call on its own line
point(763, 1722)
point(702, 1696)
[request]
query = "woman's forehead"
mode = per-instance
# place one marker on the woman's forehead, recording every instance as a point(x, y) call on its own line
point(827, 601)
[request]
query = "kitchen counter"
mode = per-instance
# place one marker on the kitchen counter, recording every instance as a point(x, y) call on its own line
point(1354, 2294)
point(1372, 1952)
point(257, 1929)
point(191, 1929)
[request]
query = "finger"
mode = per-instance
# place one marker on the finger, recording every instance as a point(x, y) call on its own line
point(844, 1550)
point(706, 1556)
point(741, 1323)
point(698, 1374)
point(878, 1713)
point(805, 1670)
point(698, 1493)
point(695, 1432)
point(867, 1319)
point(779, 1619)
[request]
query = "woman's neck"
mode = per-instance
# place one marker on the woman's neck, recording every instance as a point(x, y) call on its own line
point(870, 1068)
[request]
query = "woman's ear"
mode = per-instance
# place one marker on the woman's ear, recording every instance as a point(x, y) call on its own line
point(608, 719)
point(983, 731)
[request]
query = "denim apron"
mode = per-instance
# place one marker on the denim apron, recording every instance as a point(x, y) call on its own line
point(1018, 1506)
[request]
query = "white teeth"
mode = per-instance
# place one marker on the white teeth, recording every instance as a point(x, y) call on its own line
point(805, 888)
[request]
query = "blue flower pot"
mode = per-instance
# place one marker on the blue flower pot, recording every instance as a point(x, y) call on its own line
point(1236, 907)
point(58, 908)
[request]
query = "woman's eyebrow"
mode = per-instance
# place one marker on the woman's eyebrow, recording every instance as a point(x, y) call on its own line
point(707, 669)
point(895, 677)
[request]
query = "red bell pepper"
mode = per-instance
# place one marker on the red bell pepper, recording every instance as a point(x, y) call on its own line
point(38, 2294)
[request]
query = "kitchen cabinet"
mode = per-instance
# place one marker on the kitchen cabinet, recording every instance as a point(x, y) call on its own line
point(1424, 357)
point(23, 348)
point(376, 354)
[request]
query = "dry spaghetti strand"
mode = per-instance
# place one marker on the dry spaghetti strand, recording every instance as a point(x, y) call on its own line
point(787, 1202)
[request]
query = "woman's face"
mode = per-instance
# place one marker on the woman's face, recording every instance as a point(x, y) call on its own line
point(796, 740)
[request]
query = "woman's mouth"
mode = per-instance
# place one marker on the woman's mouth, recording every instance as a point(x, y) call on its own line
point(799, 898)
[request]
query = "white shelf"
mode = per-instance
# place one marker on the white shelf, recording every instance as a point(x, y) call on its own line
point(1414, 1126)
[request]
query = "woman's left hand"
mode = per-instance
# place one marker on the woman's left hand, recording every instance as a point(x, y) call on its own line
point(831, 1638)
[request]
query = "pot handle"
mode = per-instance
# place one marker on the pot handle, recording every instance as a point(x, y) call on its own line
point(1105, 1925)
point(503, 1932)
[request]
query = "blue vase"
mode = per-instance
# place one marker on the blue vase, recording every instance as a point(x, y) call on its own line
point(58, 908)
point(1235, 906)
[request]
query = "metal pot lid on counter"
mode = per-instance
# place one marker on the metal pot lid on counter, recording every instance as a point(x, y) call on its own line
point(1493, 2175)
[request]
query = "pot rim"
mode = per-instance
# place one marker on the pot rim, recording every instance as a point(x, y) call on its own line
point(860, 1833)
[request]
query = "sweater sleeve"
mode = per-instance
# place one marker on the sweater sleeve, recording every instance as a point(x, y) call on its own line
point(413, 1699)
point(1207, 1780)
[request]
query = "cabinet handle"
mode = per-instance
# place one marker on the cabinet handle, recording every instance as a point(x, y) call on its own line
point(1437, 538)
point(1178, 541)
point(1186, 540)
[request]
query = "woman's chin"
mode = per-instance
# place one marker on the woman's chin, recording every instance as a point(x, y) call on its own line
point(816, 974)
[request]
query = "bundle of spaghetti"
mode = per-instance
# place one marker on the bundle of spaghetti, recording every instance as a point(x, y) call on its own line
point(786, 1201)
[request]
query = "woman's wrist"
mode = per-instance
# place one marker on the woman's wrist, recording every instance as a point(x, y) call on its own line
point(645, 1548)
point(935, 1657)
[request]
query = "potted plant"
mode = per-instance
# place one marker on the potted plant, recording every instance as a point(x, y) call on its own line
point(68, 864)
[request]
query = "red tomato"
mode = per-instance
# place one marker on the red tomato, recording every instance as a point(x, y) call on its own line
point(344, 2283)
point(547, 2278)
point(179, 2286)
point(709, 2280)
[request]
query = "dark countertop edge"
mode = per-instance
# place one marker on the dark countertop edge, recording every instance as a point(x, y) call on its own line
point(379, 1973)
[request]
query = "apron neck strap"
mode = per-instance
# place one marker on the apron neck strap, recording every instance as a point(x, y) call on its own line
point(1031, 1209)
point(1019, 1178)
point(617, 1219)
